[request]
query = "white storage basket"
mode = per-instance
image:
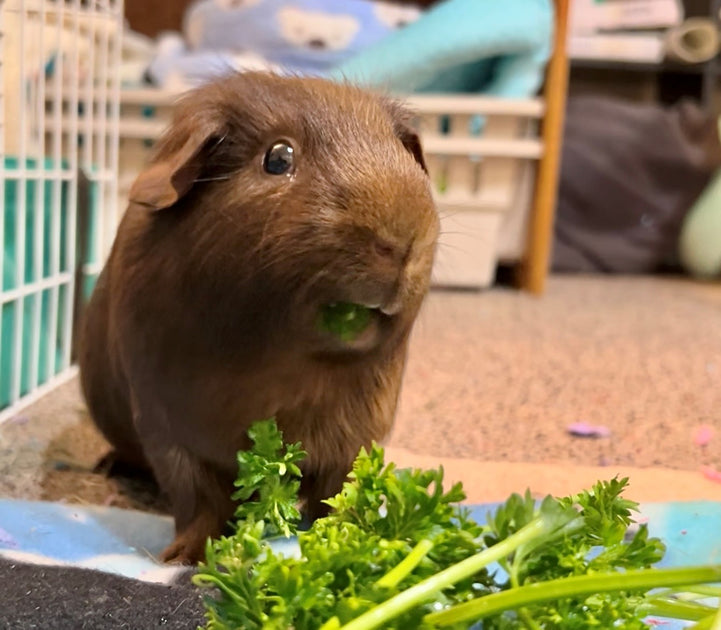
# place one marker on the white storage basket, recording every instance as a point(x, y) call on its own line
point(59, 96)
point(482, 177)
point(481, 154)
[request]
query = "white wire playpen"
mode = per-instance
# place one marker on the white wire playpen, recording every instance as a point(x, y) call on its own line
point(59, 120)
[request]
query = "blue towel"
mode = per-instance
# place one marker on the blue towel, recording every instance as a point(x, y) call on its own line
point(498, 48)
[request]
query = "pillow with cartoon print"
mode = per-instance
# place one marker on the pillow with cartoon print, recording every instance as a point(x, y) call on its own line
point(304, 36)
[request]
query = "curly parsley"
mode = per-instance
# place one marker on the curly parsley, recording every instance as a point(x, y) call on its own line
point(399, 552)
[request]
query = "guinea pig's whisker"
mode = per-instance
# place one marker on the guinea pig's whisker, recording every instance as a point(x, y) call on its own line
point(449, 214)
point(219, 178)
point(220, 140)
point(453, 233)
point(264, 234)
point(266, 261)
point(454, 247)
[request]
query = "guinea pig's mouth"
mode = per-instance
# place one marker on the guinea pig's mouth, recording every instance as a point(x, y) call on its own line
point(350, 326)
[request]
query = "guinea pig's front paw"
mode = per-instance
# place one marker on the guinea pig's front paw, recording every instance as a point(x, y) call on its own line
point(114, 464)
point(188, 548)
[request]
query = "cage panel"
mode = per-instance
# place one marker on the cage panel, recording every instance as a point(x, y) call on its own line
point(58, 159)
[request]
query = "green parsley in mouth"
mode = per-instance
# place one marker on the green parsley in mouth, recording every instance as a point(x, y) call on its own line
point(345, 320)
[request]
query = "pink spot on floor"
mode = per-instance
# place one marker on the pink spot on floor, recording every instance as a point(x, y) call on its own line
point(703, 435)
point(711, 474)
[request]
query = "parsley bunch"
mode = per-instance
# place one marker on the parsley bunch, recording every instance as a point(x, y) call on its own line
point(398, 552)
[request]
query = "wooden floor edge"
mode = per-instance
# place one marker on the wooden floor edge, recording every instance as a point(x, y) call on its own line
point(489, 481)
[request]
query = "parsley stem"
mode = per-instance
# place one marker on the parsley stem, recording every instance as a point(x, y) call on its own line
point(699, 591)
point(523, 613)
point(406, 566)
point(528, 620)
point(381, 614)
point(674, 609)
point(576, 586)
point(716, 624)
point(707, 623)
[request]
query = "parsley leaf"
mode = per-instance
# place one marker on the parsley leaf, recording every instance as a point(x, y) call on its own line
point(269, 475)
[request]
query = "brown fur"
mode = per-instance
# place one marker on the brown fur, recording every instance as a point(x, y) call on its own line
point(204, 318)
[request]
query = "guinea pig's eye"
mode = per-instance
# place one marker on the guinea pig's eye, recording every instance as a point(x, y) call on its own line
point(278, 159)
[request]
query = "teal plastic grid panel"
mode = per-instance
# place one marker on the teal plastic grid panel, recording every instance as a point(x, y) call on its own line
point(20, 311)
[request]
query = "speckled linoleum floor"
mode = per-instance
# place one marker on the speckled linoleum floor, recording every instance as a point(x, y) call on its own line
point(495, 375)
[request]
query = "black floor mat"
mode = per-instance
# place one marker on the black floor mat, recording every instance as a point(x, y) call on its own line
point(34, 597)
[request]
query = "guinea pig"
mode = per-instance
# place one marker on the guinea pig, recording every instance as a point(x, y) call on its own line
point(267, 199)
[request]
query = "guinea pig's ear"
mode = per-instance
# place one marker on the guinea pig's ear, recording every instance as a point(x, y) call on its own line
point(412, 143)
point(403, 126)
point(176, 164)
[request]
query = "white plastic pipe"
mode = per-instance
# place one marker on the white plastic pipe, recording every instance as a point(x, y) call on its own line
point(695, 40)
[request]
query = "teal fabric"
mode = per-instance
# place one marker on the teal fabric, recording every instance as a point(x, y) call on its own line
point(497, 48)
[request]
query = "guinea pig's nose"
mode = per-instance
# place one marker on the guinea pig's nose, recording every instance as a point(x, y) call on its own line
point(389, 251)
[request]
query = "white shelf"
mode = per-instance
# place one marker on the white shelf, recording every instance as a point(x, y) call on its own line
point(476, 105)
point(525, 149)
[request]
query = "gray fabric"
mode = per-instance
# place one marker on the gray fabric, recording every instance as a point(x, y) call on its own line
point(630, 173)
point(71, 598)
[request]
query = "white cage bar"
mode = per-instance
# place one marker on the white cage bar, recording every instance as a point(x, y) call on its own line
point(59, 121)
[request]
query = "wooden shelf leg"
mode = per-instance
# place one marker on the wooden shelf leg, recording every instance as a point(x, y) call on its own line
point(533, 269)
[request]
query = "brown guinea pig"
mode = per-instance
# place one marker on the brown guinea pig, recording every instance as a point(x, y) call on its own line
point(266, 200)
